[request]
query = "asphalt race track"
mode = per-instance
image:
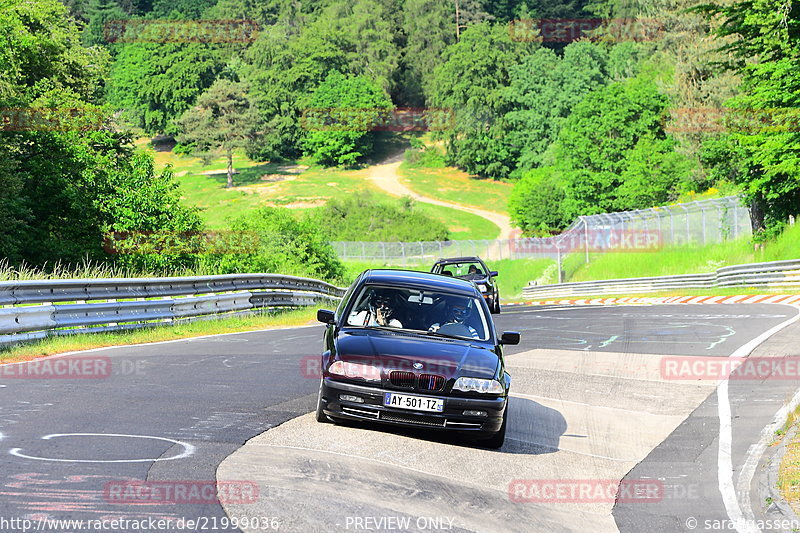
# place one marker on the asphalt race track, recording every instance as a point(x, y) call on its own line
point(589, 403)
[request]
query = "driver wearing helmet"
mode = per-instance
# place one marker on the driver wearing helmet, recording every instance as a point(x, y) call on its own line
point(379, 312)
point(458, 312)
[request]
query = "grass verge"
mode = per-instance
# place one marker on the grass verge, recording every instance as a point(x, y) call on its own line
point(183, 330)
point(789, 469)
point(681, 260)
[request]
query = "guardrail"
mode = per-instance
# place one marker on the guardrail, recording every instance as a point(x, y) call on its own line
point(763, 275)
point(34, 309)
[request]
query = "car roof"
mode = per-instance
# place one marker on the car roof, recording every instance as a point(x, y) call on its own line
point(419, 280)
point(459, 260)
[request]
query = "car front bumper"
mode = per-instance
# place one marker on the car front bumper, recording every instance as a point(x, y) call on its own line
point(451, 419)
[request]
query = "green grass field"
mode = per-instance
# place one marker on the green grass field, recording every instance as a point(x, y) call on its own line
point(452, 185)
point(681, 260)
point(300, 187)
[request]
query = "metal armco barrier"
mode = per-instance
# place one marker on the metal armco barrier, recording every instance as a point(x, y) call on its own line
point(35, 309)
point(763, 275)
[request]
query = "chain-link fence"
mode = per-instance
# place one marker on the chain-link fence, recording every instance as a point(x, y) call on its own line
point(694, 223)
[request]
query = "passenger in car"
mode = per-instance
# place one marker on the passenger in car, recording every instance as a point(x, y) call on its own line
point(379, 313)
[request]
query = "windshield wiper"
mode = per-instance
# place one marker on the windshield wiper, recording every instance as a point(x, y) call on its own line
point(446, 336)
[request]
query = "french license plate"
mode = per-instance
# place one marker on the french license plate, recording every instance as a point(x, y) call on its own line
point(417, 403)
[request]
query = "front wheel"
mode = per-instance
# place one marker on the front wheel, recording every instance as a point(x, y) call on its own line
point(497, 305)
point(321, 416)
point(495, 442)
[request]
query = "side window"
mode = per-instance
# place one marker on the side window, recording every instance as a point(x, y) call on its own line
point(346, 299)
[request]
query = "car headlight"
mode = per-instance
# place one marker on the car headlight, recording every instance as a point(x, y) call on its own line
point(482, 288)
point(485, 386)
point(355, 371)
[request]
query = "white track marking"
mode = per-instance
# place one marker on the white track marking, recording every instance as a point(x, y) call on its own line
point(724, 458)
point(188, 449)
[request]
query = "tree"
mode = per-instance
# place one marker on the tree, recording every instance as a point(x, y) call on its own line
point(428, 28)
point(467, 13)
point(223, 120)
point(536, 204)
point(342, 112)
point(543, 91)
point(611, 154)
point(154, 83)
point(471, 85)
point(100, 12)
point(765, 46)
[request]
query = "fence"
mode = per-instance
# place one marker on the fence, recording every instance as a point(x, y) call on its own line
point(701, 222)
point(774, 274)
point(34, 309)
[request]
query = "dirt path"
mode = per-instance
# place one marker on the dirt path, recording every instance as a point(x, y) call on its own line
point(387, 177)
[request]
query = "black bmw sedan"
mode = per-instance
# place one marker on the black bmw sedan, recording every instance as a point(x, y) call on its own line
point(417, 350)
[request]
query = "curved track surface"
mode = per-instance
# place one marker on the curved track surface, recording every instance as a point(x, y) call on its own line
point(588, 403)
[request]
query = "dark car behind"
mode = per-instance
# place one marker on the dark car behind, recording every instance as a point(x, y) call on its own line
point(475, 270)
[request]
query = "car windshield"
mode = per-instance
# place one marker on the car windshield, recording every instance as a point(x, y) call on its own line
point(466, 269)
point(432, 312)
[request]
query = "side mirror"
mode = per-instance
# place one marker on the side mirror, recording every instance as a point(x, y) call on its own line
point(325, 316)
point(493, 274)
point(510, 338)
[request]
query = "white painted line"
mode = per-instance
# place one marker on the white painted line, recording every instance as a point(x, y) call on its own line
point(724, 459)
point(188, 449)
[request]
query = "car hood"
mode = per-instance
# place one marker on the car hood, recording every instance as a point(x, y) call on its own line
point(475, 278)
point(399, 351)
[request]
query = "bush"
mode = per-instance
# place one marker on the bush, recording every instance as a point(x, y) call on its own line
point(425, 156)
point(363, 218)
point(280, 244)
point(536, 203)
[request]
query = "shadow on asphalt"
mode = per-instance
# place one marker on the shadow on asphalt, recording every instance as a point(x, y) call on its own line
point(533, 429)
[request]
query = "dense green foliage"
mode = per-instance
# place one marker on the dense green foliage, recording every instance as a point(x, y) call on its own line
point(280, 243)
point(342, 111)
point(67, 182)
point(766, 55)
point(581, 128)
point(364, 219)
